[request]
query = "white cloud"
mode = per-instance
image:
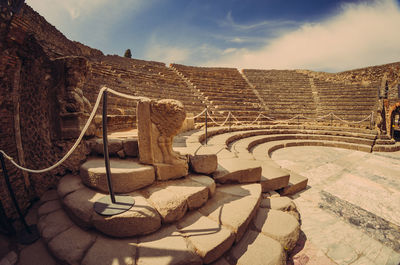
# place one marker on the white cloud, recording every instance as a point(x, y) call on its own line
point(230, 22)
point(359, 35)
point(79, 18)
point(168, 54)
point(229, 50)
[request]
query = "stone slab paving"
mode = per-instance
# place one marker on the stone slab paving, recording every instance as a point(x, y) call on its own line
point(350, 211)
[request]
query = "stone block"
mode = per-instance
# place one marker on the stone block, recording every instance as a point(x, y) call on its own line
point(203, 164)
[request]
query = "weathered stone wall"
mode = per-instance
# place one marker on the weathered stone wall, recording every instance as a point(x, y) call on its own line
point(54, 43)
point(36, 92)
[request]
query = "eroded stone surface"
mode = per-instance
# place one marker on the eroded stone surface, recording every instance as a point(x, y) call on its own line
point(297, 183)
point(203, 164)
point(139, 220)
point(158, 122)
point(36, 254)
point(209, 239)
point(166, 246)
point(127, 175)
point(70, 245)
point(48, 207)
point(237, 171)
point(68, 184)
point(234, 212)
point(205, 180)
point(49, 195)
point(53, 224)
point(169, 205)
point(111, 251)
point(273, 178)
point(257, 249)
point(79, 205)
point(278, 225)
point(245, 190)
point(195, 193)
point(278, 203)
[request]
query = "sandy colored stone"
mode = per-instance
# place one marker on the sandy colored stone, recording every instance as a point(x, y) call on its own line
point(70, 246)
point(195, 193)
point(141, 219)
point(278, 203)
point(209, 239)
point(296, 184)
point(114, 145)
point(169, 205)
point(205, 180)
point(68, 184)
point(111, 251)
point(237, 171)
point(49, 195)
point(273, 178)
point(166, 246)
point(144, 132)
point(131, 147)
point(278, 225)
point(48, 207)
point(244, 190)
point(234, 212)
point(79, 205)
point(203, 164)
point(127, 175)
point(53, 224)
point(167, 171)
point(36, 253)
point(257, 249)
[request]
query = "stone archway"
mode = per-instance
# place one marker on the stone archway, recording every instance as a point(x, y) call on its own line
point(394, 114)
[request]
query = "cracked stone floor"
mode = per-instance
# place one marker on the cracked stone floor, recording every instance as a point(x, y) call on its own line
point(351, 210)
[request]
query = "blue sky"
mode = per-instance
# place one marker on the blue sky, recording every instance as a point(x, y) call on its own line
point(317, 35)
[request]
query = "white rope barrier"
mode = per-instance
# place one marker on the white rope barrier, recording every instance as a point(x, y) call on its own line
point(198, 115)
point(92, 114)
point(366, 118)
point(96, 105)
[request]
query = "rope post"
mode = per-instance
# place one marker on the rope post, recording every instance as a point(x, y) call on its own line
point(110, 205)
point(206, 123)
point(31, 233)
point(228, 121)
point(372, 120)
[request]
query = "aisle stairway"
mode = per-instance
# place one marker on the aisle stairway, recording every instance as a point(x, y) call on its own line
point(220, 218)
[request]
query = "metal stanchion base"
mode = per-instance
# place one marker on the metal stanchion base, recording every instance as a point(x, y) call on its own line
point(104, 206)
point(26, 238)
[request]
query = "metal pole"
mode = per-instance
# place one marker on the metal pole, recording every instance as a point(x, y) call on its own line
point(113, 204)
point(31, 233)
point(206, 124)
point(105, 148)
point(331, 118)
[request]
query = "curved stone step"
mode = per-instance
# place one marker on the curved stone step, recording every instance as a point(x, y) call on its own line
point(234, 206)
point(196, 239)
point(127, 175)
point(257, 249)
point(278, 225)
point(234, 170)
point(163, 201)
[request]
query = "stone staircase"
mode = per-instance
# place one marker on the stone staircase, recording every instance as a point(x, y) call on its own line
point(217, 214)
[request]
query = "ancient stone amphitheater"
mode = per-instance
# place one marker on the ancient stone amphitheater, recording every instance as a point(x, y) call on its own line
point(223, 190)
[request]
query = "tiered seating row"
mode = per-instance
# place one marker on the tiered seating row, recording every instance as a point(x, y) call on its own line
point(285, 93)
point(225, 89)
